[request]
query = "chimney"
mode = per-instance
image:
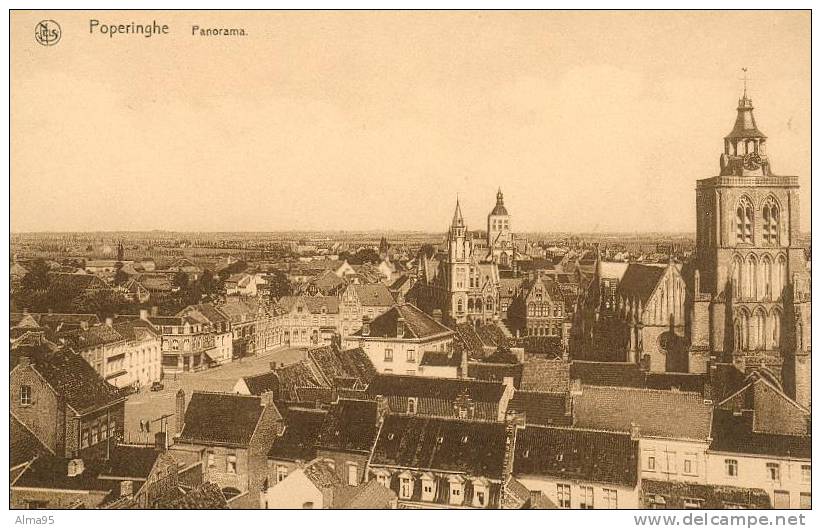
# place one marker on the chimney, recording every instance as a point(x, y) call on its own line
point(180, 411)
point(160, 441)
point(635, 431)
point(535, 499)
point(84, 325)
point(400, 327)
point(267, 398)
point(75, 468)
point(155, 311)
point(109, 322)
point(51, 311)
point(126, 488)
point(144, 314)
point(24, 361)
point(366, 326)
point(437, 315)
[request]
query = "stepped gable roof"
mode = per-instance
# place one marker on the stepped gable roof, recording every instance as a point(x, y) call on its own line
point(418, 325)
point(441, 388)
point(376, 295)
point(71, 377)
point(349, 425)
point(475, 448)
point(221, 418)
point(577, 454)
point(545, 409)
point(640, 281)
point(679, 495)
point(733, 432)
point(298, 440)
point(314, 304)
point(657, 413)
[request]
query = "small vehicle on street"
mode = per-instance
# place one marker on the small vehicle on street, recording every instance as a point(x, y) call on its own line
point(157, 386)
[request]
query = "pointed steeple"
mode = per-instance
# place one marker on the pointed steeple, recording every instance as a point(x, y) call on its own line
point(458, 221)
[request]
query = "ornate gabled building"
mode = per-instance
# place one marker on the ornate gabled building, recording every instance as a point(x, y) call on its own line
point(750, 283)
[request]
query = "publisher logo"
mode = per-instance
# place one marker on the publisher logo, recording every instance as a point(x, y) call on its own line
point(47, 32)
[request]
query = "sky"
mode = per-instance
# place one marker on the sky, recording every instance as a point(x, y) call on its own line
point(588, 121)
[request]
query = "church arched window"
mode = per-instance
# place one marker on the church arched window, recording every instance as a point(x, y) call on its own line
point(479, 305)
point(780, 280)
point(489, 304)
point(749, 278)
point(759, 329)
point(775, 329)
point(746, 335)
point(470, 305)
point(459, 306)
point(737, 276)
point(744, 221)
point(765, 283)
point(771, 223)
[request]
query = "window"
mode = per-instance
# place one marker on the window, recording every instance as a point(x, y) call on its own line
point(95, 433)
point(388, 355)
point(770, 225)
point(405, 488)
point(353, 474)
point(563, 496)
point(610, 497)
point(805, 500)
point(586, 500)
point(411, 405)
point(480, 499)
point(84, 438)
point(25, 395)
point(731, 467)
point(690, 464)
point(411, 355)
point(427, 490)
point(112, 427)
point(744, 221)
point(456, 492)
point(211, 460)
point(282, 472)
point(383, 480)
point(231, 464)
point(806, 472)
point(773, 472)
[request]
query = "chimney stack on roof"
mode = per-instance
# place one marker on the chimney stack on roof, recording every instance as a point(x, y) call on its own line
point(155, 311)
point(144, 314)
point(366, 326)
point(180, 411)
point(267, 398)
point(75, 468)
point(84, 325)
point(635, 431)
point(437, 315)
point(109, 322)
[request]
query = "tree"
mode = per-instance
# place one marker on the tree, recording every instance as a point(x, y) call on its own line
point(368, 255)
point(120, 277)
point(278, 285)
point(180, 280)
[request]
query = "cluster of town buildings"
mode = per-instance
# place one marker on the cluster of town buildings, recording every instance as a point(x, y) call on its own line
point(478, 373)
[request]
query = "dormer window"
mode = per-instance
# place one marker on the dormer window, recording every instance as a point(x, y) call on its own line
point(428, 487)
point(405, 485)
point(457, 490)
point(412, 405)
point(480, 492)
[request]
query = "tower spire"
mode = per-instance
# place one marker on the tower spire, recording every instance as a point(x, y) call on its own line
point(457, 215)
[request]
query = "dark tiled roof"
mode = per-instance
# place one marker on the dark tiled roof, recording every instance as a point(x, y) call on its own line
point(545, 374)
point(617, 374)
point(135, 462)
point(73, 378)
point(293, 376)
point(209, 311)
point(373, 295)
point(417, 323)
point(262, 382)
point(81, 339)
point(349, 425)
point(657, 413)
point(206, 496)
point(221, 418)
point(449, 445)
point(314, 304)
point(682, 381)
point(734, 433)
point(298, 441)
point(441, 388)
point(441, 359)
point(370, 495)
point(542, 408)
point(74, 284)
point(51, 472)
point(135, 330)
point(25, 446)
point(496, 372)
point(350, 363)
point(574, 454)
point(674, 494)
point(321, 474)
point(640, 281)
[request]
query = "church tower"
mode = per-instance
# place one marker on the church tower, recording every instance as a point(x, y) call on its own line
point(750, 274)
point(457, 267)
point(499, 236)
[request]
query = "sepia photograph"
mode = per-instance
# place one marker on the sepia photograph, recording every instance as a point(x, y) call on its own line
point(410, 259)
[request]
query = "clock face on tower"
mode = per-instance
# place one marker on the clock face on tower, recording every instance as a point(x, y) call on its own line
point(752, 161)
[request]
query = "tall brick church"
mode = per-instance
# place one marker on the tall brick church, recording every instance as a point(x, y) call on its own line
point(750, 299)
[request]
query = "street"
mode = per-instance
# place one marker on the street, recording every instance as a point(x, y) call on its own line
point(151, 405)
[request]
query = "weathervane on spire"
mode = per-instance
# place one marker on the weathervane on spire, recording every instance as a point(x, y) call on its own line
point(745, 79)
